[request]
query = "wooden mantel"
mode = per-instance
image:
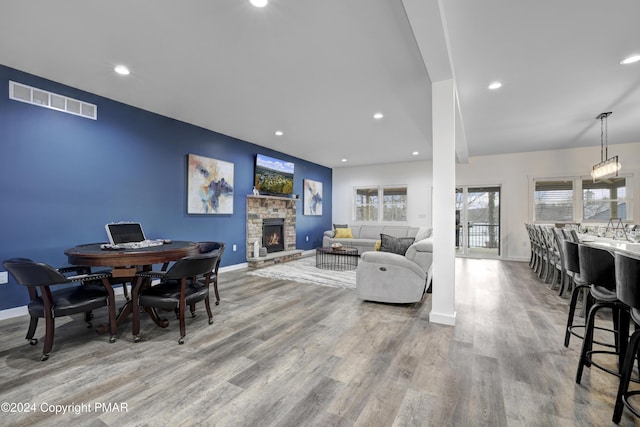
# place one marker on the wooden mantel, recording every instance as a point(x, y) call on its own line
point(293, 199)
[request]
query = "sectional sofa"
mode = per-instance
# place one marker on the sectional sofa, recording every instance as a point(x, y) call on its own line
point(365, 236)
point(385, 276)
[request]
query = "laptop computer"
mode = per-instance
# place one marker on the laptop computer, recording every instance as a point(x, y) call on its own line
point(128, 235)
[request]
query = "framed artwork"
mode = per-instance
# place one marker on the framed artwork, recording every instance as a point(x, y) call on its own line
point(312, 197)
point(209, 186)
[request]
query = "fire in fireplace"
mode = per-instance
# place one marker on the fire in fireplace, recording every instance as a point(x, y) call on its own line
point(273, 234)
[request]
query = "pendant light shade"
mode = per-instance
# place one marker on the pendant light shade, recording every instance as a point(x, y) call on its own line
point(608, 166)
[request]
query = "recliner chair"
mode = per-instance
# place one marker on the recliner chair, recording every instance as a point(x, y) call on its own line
point(393, 278)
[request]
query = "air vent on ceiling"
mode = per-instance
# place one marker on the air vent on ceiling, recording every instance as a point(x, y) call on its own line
point(42, 98)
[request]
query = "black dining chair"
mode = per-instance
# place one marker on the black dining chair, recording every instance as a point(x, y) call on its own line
point(94, 292)
point(179, 287)
point(597, 267)
point(628, 291)
point(212, 248)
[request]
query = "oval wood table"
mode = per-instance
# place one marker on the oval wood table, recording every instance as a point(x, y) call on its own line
point(92, 255)
point(125, 263)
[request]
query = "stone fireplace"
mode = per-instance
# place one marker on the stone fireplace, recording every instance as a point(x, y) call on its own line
point(267, 215)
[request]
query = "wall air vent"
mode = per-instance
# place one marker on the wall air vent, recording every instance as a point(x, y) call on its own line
point(42, 98)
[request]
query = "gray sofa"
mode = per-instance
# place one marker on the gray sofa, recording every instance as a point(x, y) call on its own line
point(365, 236)
point(393, 278)
point(387, 276)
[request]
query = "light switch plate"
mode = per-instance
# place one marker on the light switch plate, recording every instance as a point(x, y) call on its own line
point(4, 277)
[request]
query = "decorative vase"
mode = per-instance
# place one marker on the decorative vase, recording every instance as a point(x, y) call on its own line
point(256, 249)
point(263, 251)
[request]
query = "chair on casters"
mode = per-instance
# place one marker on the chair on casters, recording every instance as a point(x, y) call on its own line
point(94, 292)
point(628, 289)
point(204, 248)
point(597, 267)
point(179, 286)
point(572, 265)
point(212, 248)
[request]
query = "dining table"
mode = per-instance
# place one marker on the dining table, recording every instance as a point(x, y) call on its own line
point(125, 263)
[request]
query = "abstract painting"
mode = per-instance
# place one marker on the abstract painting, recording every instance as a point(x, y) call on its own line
point(210, 186)
point(312, 197)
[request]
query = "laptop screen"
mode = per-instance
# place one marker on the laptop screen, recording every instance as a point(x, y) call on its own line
point(126, 232)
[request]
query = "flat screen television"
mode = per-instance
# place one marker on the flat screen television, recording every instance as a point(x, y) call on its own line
point(273, 176)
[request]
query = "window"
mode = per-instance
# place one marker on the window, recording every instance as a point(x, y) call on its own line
point(388, 203)
point(604, 200)
point(578, 199)
point(553, 201)
point(367, 204)
point(394, 202)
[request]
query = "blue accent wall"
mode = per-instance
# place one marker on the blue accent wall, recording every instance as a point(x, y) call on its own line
point(63, 177)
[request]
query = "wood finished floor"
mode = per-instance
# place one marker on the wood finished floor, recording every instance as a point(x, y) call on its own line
point(282, 353)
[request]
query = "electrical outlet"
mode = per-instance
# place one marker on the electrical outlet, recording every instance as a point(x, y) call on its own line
point(4, 277)
point(234, 248)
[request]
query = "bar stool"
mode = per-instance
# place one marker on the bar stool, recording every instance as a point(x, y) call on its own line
point(597, 267)
point(572, 265)
point(628, 289)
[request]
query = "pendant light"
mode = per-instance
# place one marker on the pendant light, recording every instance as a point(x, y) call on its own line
point(607, 167)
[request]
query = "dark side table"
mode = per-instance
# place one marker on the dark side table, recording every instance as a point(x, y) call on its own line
point(344, 258)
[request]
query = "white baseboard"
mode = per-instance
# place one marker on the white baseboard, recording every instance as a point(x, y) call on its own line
point(443, 319)
point(10, 313)
point(233, 267)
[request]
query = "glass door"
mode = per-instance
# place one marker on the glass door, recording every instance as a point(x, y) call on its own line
point(478, 222)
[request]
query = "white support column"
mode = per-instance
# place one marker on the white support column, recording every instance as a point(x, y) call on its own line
point(443, 206)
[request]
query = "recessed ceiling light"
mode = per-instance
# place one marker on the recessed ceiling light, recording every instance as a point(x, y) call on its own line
point(344, 160)
point(378, 116)
point(630, 59)
point(259, 3)
point(122, 70)
point(495, 85)
point(279, 133)
point(415, 153)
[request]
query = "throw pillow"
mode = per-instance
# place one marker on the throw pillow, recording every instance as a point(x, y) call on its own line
point(423, 233)
point(396, 245)
point(377, 245)
point(344, 233)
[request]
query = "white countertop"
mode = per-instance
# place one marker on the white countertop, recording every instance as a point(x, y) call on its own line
point(611, 244)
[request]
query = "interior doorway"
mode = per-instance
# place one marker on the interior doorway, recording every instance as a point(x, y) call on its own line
point(478, 222)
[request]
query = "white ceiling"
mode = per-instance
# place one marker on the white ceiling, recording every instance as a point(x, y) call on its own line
point(319, 70)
